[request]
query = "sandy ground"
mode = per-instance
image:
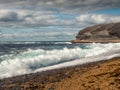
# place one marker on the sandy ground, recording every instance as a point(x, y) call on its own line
point(103, 75)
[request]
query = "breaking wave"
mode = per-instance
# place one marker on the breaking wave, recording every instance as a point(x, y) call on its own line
point(31, 60)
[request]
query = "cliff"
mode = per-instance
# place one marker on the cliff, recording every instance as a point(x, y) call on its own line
point(99, 33)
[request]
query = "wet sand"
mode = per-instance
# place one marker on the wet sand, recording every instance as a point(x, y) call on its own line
point(102, 75)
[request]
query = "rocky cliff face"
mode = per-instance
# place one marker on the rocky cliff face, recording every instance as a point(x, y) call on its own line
point(100, 32)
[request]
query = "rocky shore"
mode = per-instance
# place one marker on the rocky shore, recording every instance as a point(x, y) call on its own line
point(102, 75)
point(103, 33)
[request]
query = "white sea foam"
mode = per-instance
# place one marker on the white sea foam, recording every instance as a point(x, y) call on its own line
point(62, 43)
point(40, 60)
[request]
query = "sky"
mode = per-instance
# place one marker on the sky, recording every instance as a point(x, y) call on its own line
point(53, 20)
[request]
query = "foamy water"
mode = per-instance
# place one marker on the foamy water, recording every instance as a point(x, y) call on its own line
point(38, 59)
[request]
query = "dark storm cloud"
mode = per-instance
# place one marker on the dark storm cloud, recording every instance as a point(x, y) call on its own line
point(9, 16)
point(71, 6)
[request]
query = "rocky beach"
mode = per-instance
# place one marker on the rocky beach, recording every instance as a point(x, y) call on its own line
point(102, 75)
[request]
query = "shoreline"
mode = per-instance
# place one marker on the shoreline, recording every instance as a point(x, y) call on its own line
point(95, 41)
point(47, 79)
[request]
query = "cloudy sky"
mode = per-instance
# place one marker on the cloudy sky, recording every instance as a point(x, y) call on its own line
point(47, 20)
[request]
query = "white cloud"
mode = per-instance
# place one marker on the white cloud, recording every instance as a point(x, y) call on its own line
point(96, 19)
point(28, 18)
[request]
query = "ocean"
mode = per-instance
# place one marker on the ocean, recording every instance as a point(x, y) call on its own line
point(17, 58)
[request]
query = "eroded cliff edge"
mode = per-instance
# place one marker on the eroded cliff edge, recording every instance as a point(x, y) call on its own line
point(99, 33)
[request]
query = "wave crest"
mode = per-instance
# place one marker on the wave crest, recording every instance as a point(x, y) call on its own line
point(32, 60)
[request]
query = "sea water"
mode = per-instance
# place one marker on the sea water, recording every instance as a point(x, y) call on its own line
point(18, 58)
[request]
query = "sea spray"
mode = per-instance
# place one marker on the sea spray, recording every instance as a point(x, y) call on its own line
point(31, 60)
